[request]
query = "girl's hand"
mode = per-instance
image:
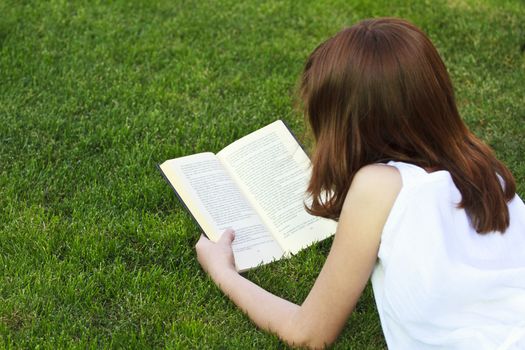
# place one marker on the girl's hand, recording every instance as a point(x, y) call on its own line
point(216, 258)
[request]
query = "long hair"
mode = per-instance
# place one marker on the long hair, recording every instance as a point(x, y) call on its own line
point(379, 91)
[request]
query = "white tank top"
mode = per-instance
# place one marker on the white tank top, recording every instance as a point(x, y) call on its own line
point(440, 285)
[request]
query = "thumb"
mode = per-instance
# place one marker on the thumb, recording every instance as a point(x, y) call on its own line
point(227, 236)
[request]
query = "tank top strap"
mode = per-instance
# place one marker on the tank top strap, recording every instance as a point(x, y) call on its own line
point(410, 174)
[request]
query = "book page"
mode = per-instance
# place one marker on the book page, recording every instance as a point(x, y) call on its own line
point(272, 167)
point(216, 202)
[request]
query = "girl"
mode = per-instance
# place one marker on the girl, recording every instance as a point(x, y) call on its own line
point(423, 206)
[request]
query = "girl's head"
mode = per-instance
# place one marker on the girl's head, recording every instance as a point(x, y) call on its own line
point(379, 91)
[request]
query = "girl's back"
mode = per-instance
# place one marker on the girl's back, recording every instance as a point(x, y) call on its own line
point(439, 284)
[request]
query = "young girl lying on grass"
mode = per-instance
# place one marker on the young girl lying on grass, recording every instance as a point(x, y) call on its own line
point(423, 207)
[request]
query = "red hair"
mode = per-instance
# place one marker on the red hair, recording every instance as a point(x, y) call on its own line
point(379, 91)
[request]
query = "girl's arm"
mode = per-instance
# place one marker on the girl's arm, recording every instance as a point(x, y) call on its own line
point(319, 320)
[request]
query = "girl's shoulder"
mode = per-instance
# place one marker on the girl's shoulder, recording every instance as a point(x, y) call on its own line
point(377, 177)
point(376, 187)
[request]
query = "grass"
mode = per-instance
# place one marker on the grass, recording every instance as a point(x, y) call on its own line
point(95, 250)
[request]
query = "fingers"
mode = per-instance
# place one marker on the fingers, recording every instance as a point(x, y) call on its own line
point(202, 241)
point(227, 236)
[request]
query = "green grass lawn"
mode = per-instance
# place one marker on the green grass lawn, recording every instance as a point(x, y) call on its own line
point(95, 250)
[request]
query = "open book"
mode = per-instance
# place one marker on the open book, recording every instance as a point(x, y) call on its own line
point(256, 186)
